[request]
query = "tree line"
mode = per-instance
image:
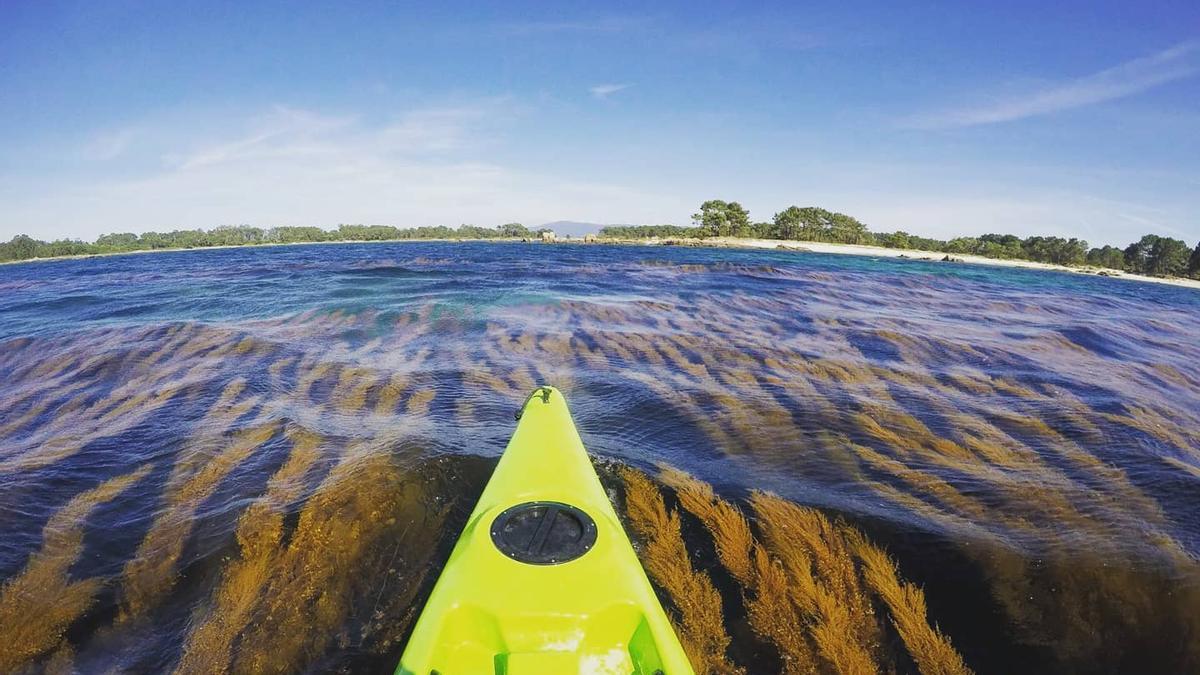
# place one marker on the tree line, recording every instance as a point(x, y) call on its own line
point(23, 247)
point(1151, 255)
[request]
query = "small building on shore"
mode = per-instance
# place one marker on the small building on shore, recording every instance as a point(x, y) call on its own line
point(548, 236)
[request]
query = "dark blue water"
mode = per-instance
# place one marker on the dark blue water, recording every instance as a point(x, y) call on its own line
point(1026, 444)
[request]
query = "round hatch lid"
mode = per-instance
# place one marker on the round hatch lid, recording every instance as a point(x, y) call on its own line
point(543, 533)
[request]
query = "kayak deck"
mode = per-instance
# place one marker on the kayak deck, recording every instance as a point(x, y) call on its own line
point(543, 578)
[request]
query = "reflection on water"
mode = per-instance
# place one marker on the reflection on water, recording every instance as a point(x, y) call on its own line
point(255, 460)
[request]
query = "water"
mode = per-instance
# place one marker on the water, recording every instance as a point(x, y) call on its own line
point(256, 459)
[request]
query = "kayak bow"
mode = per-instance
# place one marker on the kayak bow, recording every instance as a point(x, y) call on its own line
point(543, 579)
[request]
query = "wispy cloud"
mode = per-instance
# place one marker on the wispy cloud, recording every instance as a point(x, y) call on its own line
point(1132, 77)
point(430, 165)
point(603, 91)
point(281, 132)
point(108, 145)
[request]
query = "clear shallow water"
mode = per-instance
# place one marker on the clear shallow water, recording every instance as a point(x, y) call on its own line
point(202, 451)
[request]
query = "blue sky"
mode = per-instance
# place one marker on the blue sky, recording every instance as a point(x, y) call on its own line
point(1076, 119)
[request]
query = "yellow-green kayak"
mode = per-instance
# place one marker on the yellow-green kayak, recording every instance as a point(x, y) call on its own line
point(543, 580)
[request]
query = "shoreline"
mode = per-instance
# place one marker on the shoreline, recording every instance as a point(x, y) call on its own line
point(138, 251)
point(905, 253)
point(712, 242)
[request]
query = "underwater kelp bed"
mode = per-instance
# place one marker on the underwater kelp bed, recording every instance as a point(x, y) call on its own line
point(809, 585)
point(255, 461)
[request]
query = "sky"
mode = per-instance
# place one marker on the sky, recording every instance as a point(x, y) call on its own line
point(1077, 119)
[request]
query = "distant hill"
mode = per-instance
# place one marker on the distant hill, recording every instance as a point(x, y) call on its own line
point(573, 228)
